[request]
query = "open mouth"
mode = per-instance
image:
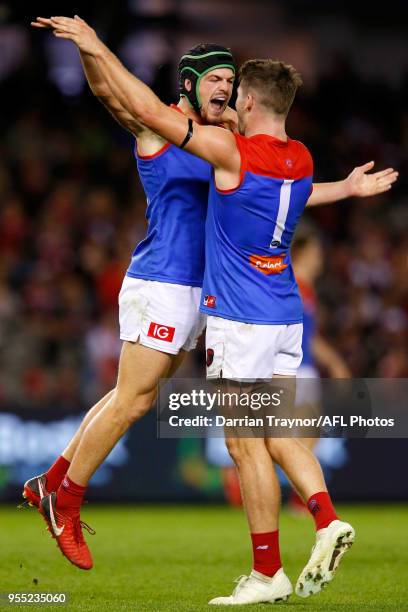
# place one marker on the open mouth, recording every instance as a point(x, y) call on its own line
point(218, 104)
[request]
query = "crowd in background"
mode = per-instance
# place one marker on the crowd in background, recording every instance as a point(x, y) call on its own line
point(72, 210)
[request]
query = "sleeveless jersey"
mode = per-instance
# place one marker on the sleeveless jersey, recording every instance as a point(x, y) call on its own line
point(248, 274)
point(176, 186)
point(309, 321)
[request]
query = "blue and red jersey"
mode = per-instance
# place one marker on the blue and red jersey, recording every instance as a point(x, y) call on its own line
point(248, 272)
point(309, 301)
point(176, 186)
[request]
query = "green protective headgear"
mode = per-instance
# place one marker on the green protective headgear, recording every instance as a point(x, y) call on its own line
point(196, 63)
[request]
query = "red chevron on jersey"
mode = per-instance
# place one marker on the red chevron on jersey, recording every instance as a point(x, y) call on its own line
point(268, 156)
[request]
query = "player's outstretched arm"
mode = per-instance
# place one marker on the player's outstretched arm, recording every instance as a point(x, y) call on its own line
point(98, 85)
point(213, 144)
point(102, 91)
point(358, 184)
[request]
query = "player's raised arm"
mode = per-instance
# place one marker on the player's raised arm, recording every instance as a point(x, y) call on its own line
point(98, 85)
point(211, 143)
point(358, 184)
point(215, 145)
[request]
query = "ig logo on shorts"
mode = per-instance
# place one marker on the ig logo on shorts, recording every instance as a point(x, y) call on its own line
point(161, 332)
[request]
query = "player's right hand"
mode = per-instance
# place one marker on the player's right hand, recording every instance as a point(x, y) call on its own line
point(75, 29)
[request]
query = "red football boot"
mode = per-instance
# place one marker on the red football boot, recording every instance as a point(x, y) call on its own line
point(35, 489)
point(66, 529)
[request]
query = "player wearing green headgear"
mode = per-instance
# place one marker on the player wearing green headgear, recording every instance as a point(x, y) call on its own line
point(194, 65)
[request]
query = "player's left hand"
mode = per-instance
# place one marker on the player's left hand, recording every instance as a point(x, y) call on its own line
point(361, 185)
point(75, 29)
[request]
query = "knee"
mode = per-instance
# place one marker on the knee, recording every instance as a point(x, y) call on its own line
point(127, 410)
point(281, 449)
point(232, 447)
point(241, 450)
point(273, 446)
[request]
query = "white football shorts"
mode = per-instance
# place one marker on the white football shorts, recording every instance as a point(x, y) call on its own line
point(162, 316)
point(240, 351)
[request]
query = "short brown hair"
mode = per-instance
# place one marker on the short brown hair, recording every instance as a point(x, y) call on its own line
point(274, 81)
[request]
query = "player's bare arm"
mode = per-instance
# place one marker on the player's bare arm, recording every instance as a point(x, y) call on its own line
point(215, 145)
point(358, 184)
point(149, 142)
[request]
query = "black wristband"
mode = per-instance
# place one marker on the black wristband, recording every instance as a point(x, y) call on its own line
point(188, 135)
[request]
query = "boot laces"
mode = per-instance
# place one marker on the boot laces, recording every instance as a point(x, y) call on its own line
point(79, 526)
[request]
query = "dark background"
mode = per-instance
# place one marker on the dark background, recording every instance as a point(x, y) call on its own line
point(72, 210)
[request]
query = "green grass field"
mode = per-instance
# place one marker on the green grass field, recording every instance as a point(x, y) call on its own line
point(177, 558)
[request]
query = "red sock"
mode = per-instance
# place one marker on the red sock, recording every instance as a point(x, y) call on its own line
point(70, 495)
point(56, 473)
point(266, 552)
point(321, 507)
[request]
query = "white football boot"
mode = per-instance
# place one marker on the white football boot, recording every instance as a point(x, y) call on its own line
point(331, 544)
point(257, 588)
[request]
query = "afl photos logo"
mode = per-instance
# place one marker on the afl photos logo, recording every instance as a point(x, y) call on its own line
point(268, 265)
point(161, 332)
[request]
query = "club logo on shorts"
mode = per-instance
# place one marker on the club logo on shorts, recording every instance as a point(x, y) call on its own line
point(209, 301)
point(268, 265)
point(161, 332)
point(210, 357)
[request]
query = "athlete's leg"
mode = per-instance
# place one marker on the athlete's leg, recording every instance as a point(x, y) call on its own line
point(140, 368)
point(261, 496)
point(333, 536)
point(296, 504)
point(37, 486)
point(298, 462)
point(259, 483)
point(176, 363)
point(70, 449)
